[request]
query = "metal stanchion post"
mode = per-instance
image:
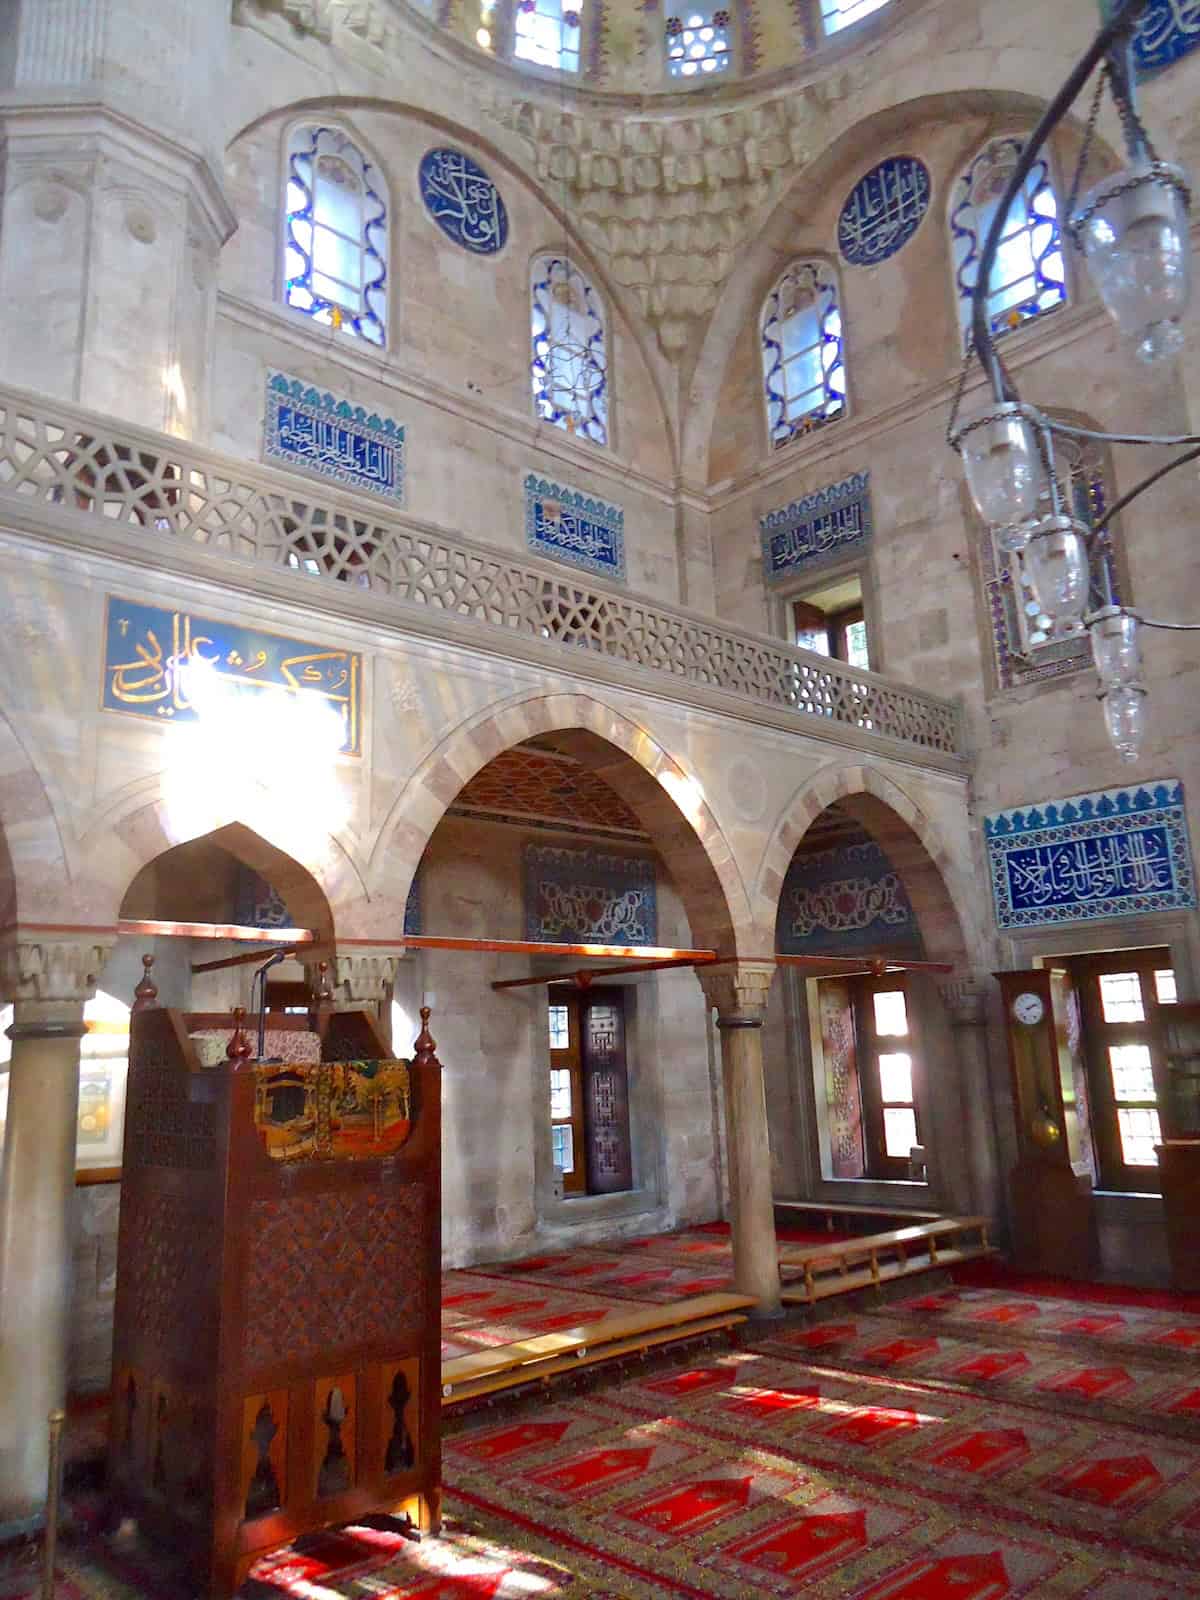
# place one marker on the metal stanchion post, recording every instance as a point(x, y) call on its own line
point(53, 1495)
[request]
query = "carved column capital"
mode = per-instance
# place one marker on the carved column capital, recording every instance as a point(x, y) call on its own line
point(965, 1000)
point(365, 977)
point(738, 991)
point(53, 968)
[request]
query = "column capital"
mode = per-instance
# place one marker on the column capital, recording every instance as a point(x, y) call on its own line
point(738, 991)
point(965, 1000)
point(53, 968)
point(364, 975)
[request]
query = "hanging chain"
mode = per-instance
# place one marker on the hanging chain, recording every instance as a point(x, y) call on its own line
point(1089, 135)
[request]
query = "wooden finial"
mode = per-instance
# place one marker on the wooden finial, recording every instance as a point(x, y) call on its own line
point(239, 1047)
point(146, 992)
point(424, 1050)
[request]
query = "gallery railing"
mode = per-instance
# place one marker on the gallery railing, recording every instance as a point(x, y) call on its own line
point(58, 454)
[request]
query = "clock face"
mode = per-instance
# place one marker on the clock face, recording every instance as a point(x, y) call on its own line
point(1028, 1009)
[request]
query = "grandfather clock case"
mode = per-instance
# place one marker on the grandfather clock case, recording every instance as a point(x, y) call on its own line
point(1052, 1183)
point(276, 1364)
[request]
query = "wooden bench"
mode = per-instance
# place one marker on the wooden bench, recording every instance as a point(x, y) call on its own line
point(829, 1209)
point(528, 1360)
point(812, 1273)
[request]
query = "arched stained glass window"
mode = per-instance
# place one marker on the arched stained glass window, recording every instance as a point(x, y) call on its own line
point(548, 33)
point(570, 349)
point(839, 14)
point(804, 367)
point(335, 243)
point(1029, 277)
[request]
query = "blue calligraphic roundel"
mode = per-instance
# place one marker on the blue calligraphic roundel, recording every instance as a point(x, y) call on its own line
point(463, 201)
point(884, 210)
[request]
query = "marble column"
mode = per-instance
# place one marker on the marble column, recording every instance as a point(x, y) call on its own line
point(739, 994)
point(965, 1000)
point(48, 982)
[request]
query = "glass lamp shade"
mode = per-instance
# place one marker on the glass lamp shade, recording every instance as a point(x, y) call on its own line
point(1116, 648)
point(1133, 231)
point(1013, 539)
point(1002, 463)
point(1057, 565)
point(1125, 718)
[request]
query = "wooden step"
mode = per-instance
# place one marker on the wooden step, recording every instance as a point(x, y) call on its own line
point(813, 1260)
point(674, 1320)
point(586, 1356)
point(799, 1294)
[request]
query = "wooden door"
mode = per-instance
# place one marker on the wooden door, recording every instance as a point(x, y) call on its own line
point(605, 1092)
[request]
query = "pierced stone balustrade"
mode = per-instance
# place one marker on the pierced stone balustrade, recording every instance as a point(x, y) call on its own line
point(53, 454)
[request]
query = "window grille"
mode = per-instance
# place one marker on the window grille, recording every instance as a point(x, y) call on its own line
point(698, 44)
point(804, 368)
point(548, 33)
point(570, 355)
point(335, 242)
point(839, 14)
point(1029, 277)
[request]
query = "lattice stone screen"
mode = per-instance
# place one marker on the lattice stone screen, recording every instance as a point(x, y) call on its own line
point(57, 454)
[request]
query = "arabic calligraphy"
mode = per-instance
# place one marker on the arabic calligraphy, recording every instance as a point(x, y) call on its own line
point(1090, 869)
point(585, 895)
point(1119, 852)
point(816, 526)
point(463, 201)
point(333, 439)
point(884, 210)
point(146, 648)
point(568, 525)
point(1166, 31)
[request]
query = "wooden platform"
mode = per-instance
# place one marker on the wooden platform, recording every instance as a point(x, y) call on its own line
point(529, 1360)
point(789, 1212)
point(817, 1272)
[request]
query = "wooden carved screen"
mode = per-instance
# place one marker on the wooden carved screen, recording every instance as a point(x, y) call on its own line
point(606, 1092)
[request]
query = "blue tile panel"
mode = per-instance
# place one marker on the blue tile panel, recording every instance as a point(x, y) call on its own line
point(412, 907)
point(330, 438)
point(832, 522)
point(589, 897)
point(846, 899)
point(570, 525)
point(463, 201)
point(1167, 31)
point(884, 210)
point(1114, 853)
point(146, 646)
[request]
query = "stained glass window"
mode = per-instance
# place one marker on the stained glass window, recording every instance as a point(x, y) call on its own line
point(804, 367)
point(570, 349)
point(698, 44)
point(335, 244)
point(548, 33)
point(1029, 277)
point(839, 14)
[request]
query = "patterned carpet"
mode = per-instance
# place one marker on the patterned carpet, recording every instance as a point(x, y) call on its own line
point(971, 1443)
point(493, 1305)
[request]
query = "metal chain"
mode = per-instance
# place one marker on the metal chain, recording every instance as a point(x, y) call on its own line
point(1089, 134)
point(959, 390)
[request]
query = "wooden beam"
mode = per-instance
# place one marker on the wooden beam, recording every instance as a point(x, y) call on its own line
point(244, 959)
point(216, 930)
point(527, 947)
point(865, 963)
point(585, 975)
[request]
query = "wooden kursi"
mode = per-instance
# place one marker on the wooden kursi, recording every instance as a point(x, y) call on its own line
point(276, 1359)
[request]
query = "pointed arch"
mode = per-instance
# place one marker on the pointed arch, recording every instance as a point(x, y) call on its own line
point(669, 802)
point(904, 832)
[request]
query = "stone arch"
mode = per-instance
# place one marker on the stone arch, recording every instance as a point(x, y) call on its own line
point(669, 802)
point(306, 898)
point(35, 869)
point(904, 832)
point(886, 110)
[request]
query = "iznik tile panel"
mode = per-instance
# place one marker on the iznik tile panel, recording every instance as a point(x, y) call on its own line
point(883, 210)
point(832, 522)
point(463, 201)
point(569, 525)
point(147, 647)
point(1114, 853)
point(589, 897)
point(316, 433)
point(848, 898)
point(1166, 31)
